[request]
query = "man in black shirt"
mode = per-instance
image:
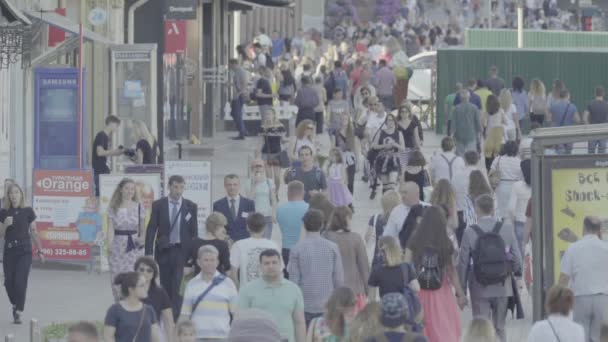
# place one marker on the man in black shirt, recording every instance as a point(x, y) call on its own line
point(263, 92)
point(596, 113)
point(101, 150)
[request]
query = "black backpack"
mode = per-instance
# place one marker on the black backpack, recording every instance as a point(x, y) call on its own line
point(490, 263)
point(269, 61)
point(430, 276)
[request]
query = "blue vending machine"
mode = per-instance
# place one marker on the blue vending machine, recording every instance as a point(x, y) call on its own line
point(60, 139)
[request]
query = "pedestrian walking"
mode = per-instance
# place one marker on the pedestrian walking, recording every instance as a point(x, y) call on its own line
point(507, 168)
point(467, 128)
point(310, 175)
point(564, 113)
point(538, 102)
point(352, 250)
point(478, 185)
point(415, 172)
point(306, 100)
point(320, 107)
point(596, 113)
point(270, 147)
point(494, 123)
point(580, 270)
point(512, 129)
point(385, 156)
point(385, 81)
point(393, 274)
point(186, 331)
point(173, 224)
point(521, 193)
point(18, 227)
point(210, 298)
point(521, 102)
point(289, 218)
point(410, 128)
point(558, 326)
point(461, 189)
point(254, 325)
point(396, 320)
point(235, 207)
point(130, 320)
point(126, 235)
point(490, 241)
point(335, 323)
point(339, 195)
point(216, 236)
point(279, 297)
point(441, 294)
point(446, 164)
point(315, 265)
point(240, 84)
point(345, 143)
point(157, 297)
point(305, 136)
point(244, 253)
point(366, 323)
point(376, 225)
point(102, 150)
point(262, 190)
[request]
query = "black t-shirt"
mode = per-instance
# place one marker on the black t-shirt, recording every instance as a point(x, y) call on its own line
point(272, 139)
point(222, 247)
point(99, 163)
point(128, 322)
point(148, 151)
point(390, 278)
point(598, 112)
point(266, 89)
point(158, 300)
point(20, 229)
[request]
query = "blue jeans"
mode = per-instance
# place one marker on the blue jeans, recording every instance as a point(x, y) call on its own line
point(601, 146)
point(268, 230)
point(236, 111)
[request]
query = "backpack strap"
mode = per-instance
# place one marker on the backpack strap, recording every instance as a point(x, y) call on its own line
point(450, 162)
point(477, 229)
point(498, 226)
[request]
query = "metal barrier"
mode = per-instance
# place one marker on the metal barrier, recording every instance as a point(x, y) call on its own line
point(35, 334)
point(252, 113)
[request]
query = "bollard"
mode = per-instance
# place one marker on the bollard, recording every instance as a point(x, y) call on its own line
point(33, 330)
point(9, 338)
point(179, 151)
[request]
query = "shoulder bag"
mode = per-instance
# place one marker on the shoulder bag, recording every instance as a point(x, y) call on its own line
point(495, 175)
point(215, 282)
point(141, 322)
point(553, 329)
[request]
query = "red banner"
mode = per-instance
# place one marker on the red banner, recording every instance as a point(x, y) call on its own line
point(68, 222)
point(56, 35)
point(175, 36)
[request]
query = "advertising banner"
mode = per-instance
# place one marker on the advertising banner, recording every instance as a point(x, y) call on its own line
point(197, 175)
point(67, 220)
point(579, 188)
point(180, 9)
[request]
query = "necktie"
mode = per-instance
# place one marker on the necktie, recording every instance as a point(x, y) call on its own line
point(174, 210)
point(174, 234)
point(232, 208)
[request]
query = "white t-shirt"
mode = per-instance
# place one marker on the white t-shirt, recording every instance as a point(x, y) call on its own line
point(374, 123)
point(440, 166)
point(245, 255)
point(509, 117)
point(564, 327)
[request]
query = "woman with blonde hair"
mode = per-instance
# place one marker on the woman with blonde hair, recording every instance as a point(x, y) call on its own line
point(215, 235)
point(126, 232)
point(495, 123)
point(480, 330)
point(335, 322)
point(559, 326)
point(376, 224)
point(262, 190)
point(394, 275)
point(512, 131)
point(146, 148)
point(443, 195)
point(537, 98)
point(305, 136)
point(367, 323)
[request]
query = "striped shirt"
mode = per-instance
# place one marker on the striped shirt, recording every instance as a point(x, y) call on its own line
point(212, 315)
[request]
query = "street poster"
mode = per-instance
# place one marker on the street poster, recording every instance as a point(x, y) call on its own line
point(67, 220)
point(148, 190)
point(579, 188)
point(197, 175)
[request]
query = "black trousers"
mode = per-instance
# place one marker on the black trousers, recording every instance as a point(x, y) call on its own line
point(171, 267)
point(285, 254)
point(16, 263)
point(96, 174)
point(461, 227)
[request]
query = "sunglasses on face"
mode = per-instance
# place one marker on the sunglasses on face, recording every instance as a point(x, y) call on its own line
point(145, 270)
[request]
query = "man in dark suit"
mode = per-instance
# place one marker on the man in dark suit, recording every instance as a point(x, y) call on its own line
point(173, 224)
point(235, 207)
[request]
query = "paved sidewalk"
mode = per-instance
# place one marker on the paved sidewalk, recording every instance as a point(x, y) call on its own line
point(68, 295)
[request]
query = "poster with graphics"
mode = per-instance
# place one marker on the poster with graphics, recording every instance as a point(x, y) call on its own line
point(578, 188)
point(67, 220)
point(197, 175)
point(148, 190)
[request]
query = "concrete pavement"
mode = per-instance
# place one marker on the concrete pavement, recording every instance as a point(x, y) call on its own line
point(58, 295)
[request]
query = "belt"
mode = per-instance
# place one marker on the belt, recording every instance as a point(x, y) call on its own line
point(176, 245)
point(129, 234)
point(15, 243)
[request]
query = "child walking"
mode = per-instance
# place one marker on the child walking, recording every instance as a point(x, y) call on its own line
point(339, 195)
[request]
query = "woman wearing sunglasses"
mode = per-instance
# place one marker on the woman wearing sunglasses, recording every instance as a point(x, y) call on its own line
point(157, 298)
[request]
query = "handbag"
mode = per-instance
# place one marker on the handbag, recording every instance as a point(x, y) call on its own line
point(495, 175)
point(554, 332)
point(359, 131)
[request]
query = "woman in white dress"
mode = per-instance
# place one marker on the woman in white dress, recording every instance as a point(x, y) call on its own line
point(512, 131)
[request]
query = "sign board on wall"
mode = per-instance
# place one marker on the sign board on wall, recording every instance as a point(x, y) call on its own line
point(180, 9)
point(67, 220)
point(175, 36)
point(197, 175)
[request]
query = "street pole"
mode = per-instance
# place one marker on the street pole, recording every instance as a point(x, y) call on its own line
point(490, 14)
point(520, 25)
point(80, 88)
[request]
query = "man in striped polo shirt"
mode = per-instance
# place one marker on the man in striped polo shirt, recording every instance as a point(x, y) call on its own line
point(210, 298)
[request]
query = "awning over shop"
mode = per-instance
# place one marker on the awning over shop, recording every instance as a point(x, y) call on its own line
point(11, 13)
point(67, 25)
point(247, 5)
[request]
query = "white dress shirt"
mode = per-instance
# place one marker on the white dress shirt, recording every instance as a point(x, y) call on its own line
point(565, 329)
point(585, 263)
point(461, 185)
point(440, 166)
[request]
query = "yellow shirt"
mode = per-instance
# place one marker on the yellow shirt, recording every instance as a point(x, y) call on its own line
point(483, 93)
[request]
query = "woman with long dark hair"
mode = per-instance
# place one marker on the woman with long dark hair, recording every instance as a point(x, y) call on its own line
point(130, 320)
point(335, 322)
point(18, 227)
point(428, 247)
point(126, 233)
point(157, 296)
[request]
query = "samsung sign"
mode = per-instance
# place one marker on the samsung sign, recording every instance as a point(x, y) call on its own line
point(180, 9)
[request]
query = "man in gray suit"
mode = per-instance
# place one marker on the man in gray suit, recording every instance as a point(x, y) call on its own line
point(489, 301)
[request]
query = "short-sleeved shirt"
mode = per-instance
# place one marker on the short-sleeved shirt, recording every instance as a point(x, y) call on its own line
point(158, 299)
point(584, 262)
point(449, 101)
point(245, 255)
point(99, 163)
point(313, 179)
point(280, 301)
point(559, 109)
point(20, 229)
point(598, 112)
point(289, 217)
point(390, 278)
point(127, 322)
point(263, 84)
point(495, 85)
point(149, 152)
point(88, 225)
point(466, 123)
point(272, 139)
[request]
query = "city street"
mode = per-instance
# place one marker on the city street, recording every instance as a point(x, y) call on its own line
point(58, 294)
